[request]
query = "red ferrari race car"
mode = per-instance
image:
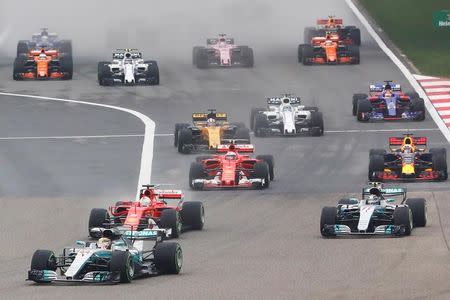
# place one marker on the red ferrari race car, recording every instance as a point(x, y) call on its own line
point(232, 167)
point(347, 34)
point(328, 49)
point(155, 209)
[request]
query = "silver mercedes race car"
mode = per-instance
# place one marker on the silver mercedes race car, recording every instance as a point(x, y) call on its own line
point(285, 115)
point(374, 213)
point(112, 259)
point(128, 67)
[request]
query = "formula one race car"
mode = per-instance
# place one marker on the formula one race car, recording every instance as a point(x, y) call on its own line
point(112, 259)
point(128, 67)
point(328, 49)
point(44, 40)
point(232, 169)
point(408, 160)
point(156, 208)
point(222, 52)
point(209, 130)
point(43, 64)
point(374, 214)
point(286, 115)
point(347, 34)
point(388, 102)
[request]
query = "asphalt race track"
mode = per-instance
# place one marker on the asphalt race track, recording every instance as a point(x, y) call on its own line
point(256, 244)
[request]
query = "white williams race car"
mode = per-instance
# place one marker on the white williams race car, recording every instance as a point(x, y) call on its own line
point(286, 115)
point(128, 67)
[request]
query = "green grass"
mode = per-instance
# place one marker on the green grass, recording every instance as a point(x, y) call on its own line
point(409, 24)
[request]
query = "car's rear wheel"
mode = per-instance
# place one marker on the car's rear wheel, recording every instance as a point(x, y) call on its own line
point(317, 127)
point(363, 108)
point(261, 170)
point(356, 98)
point(184, 140)
point(376, 165)
point(171, 219)
point(439, 162)
point(270, 163)
point(99, 217)
point(193, 215)
point(196, 171)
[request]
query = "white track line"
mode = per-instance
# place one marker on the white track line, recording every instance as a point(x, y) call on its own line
point(145, 171)
point(69, 137)
point(437, 119)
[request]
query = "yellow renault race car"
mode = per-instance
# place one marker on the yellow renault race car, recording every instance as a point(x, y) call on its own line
point(207, 132)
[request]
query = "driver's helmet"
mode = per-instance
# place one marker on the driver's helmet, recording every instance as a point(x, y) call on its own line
point(104, 243)
point(407, 148)
point(387, 90)
point(222, 40)
point(145, 201)
point(42, 56)
point(373, 199)
point(231, 155)
point(211, 122)
point(128, 61)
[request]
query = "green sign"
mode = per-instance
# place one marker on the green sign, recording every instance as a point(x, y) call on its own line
point(441, 19)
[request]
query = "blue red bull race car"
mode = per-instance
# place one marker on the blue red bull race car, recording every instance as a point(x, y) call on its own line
point(386, 101)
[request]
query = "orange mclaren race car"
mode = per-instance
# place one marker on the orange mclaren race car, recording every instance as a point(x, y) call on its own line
point(408, 160)
point(43, 64)
point(328, 50)
point(347, 34)
point(156, 208)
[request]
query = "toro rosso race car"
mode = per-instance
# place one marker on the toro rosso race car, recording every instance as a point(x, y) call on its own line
point(328, 49)
point(112, 259)
point(286, 115)
point(208, 131)
point(222, 52)
point(44, 40)
point(388, 102)
point(374, 214)
point(408, 160)
point(232, 167)
point(128, 67)
point(347, 34)
point(155, 208)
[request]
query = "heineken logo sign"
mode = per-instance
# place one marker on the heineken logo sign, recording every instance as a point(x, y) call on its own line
point(441, 19)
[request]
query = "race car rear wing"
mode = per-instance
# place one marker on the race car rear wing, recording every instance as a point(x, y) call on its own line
point(240, 148)
point(203, 117)
point(322, 22)
point(420, 142)
point(162, 194)
point(379, 87)
point(387, 192)
point(285, 99)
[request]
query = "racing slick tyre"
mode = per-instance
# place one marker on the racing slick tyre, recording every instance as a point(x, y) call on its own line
point(178, 127)
point(99, 217)
point(237, 124)
point(299, 53)
point(439, 161)
point(311, 108)
point(418, 208)
point(19, 67)
point(376, 164)
point(355, 35)
point(194, 54)
point(104, 74)
point(242, 134)
point(364, 106)
point(168, 258)
point(193, 215)
point(270, 162)
point(310, 32)
point(403, 216)
point(418, 105)
point(202, 58)
point(328, 216)
point(152, 77)
point(354, 53)
point(196, 171)
point(356, 98)
point(261, 124)
point(253, 113)
point(184, 139)
point(171, 219)
point(247, 56)
point(67, 66)
point(122, 264)
point(307, 55)
point(43, 260)
point(261, 170)
point(22, 48)
point(317, 128)
point(377, 152)
point(65, 47)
